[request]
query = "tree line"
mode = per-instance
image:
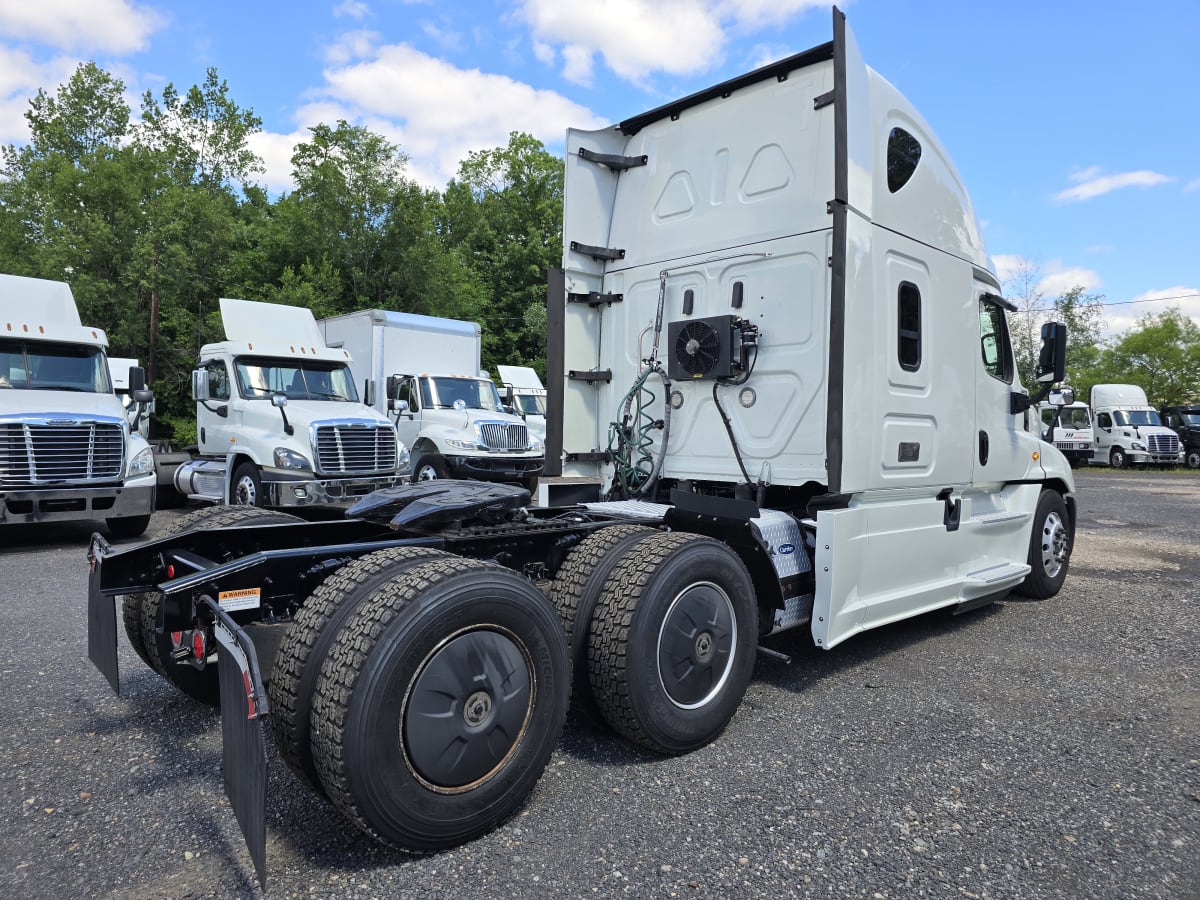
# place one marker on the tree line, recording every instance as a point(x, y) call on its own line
point(152, 217)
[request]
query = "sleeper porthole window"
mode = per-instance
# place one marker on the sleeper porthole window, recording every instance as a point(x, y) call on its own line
point(903, 154)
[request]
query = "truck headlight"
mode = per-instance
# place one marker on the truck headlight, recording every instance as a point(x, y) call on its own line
point(290, 459)
point(403, 459)
point(461, 445)
point(142, 463)
point(534, 444)
point(1137, 445)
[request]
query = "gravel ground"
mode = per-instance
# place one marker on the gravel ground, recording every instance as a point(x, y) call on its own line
point(1024, 750)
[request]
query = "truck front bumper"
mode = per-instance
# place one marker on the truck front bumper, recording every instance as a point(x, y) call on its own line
point(25, 506)
point(1138, 458)
point(288, 492)
point(496, 468)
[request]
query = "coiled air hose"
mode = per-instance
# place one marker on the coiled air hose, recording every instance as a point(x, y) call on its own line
point(630, 441)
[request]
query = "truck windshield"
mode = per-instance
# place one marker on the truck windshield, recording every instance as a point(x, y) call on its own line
point(530, 404)
point(307, 380)
point(1075, 418)
point(1134, 417)
point(440, 393)
point(1191, 418)
point(37, 366)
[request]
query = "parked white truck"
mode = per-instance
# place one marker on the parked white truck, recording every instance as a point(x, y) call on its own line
point(425, 372)
point(1068, 426)
point(1128, 430)
point(777, 342)
point(524, 392)
point(278, 418)
point(69, 450)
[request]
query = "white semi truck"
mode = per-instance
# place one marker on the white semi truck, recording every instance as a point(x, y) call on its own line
point(1068, 426)
point(523, 390)
point(69, 449)
point(278, 418)
point(1128, 430)
point(777, 343)
point(425, 372)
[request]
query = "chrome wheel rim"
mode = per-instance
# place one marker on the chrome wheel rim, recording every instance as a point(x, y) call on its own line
point(427, 473)
point(1054, 544)
point(245, 493)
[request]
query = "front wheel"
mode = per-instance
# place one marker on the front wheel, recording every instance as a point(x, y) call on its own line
point(430, 467)
point(531, 485)
point(672, 642)
point(246, 489)
point(1049, 547)
point(1117, 459)
point(1193, 458)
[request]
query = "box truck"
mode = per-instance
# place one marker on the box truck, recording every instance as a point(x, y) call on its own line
point(425, 372)
point(1128, 430)
point(69, 448)
point(778, 345)
point(278, 418)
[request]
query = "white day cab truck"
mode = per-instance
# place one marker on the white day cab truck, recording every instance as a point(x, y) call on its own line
point(425, 372)
point(779, 349)
point(524, 392)
point(69, 449)
point(278, 418)
point(1067, 424)
point(1128, 430)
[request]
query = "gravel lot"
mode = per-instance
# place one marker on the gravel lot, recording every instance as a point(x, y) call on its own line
point(1024, 750)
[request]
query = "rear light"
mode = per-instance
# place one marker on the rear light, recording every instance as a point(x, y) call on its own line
point(170, 571)
point(198, 645)
point(176, 638)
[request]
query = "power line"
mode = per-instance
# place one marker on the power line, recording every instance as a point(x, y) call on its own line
point(1188, 296)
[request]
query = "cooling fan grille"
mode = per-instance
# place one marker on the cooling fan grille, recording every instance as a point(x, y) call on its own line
point(697, 348)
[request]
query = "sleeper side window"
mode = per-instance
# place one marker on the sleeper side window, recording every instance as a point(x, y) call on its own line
point(909, 326)
point(903, 154)
point(994, 342)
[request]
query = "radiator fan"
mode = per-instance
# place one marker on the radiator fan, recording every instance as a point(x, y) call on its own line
point(700, 348)
point(697, 348)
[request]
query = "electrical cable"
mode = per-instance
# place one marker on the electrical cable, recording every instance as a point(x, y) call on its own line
point(741, 379)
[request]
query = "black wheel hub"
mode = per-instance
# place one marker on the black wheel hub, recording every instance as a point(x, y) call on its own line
point(466, 709)
point(695, 645)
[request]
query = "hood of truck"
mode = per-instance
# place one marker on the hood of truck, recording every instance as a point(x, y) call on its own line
point(59, 404)
point(459, 424)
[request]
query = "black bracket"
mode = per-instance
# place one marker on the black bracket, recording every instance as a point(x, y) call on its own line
point(595, 298)
point(614, 161)
point(605, 254)
point(602, 456)
point(822, 100)
point(604, 375)
point(953, 509)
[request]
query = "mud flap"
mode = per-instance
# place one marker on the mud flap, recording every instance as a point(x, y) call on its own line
point(244, 749)
point(102, 617)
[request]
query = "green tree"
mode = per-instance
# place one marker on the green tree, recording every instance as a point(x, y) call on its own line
point(1161, 354)
point(503, 212)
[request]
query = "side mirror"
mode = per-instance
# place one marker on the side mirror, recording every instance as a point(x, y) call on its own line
point(200, 384)
point(279, 400)
point(393, 386)
point(1062, 397)
point(402, 406)
point(137, 379)
point(1052, 360)
point(369, 392)
point(509, 395)
point(143, 396)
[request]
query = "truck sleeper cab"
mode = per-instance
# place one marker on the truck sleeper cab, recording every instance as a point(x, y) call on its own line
point(1128, 431)
point(778, 349)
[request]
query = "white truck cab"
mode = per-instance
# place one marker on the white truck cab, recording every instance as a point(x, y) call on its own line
point(425, 372)
point(69, 449)
point(1128, 430)
point(525, 394)
point(278, 417)
point(1068, 426)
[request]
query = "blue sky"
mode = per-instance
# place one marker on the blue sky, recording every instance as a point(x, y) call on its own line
point(1075, 125)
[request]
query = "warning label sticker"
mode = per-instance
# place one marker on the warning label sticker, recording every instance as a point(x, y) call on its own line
point(246, 598)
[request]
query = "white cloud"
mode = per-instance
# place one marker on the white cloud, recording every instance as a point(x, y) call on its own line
point(1091, 183)
point(1008, 265)
point(637, 38)
point(351, 9)
point(1122, 318)
point(1058, 279)
point(20, 77)
point(110, 26)
point(436, 112)
point(1193, 186)
point(544, 53)
point(443, 37)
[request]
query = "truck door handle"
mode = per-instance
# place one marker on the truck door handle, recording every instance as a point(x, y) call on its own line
point(983, 448)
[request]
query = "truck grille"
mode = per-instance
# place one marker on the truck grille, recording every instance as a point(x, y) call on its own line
point(60, 454)
point(1072, 445)
point(1162, 443)
point(504, 436)
point(356, 448)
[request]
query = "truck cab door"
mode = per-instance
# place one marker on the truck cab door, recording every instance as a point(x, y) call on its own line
point(218, 419)
point(408, 424)
point(1104, 439)
point(999, 454)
